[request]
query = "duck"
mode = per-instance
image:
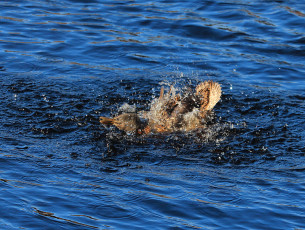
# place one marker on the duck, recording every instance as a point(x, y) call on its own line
point(171, 112)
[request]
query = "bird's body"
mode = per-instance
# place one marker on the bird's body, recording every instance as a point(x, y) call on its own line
point(171, 112)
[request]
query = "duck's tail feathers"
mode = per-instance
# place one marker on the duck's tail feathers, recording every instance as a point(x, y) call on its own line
point(106, 120)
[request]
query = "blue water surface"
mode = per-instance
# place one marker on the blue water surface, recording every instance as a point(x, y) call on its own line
point(65, 63)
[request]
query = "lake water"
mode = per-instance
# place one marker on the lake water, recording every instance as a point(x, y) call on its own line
point(65, 63)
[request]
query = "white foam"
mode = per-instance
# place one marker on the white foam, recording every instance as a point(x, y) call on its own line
point(126, 108)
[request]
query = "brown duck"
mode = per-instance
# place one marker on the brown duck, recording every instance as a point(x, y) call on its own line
point(171, 112)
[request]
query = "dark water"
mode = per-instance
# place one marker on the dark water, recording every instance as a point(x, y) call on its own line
point(65, 63)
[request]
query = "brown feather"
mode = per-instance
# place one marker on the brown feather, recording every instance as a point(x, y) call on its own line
point(209, 94)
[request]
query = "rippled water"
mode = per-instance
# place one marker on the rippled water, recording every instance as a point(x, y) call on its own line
point(65, 63)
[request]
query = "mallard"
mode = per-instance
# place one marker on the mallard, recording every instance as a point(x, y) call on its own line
point(171, 112)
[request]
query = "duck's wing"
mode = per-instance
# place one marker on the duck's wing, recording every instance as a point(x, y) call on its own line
point(160, 111)
point(161, 93)
point(215, 94)
point(170, 90)
point(168, 95)
point(209, 94)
